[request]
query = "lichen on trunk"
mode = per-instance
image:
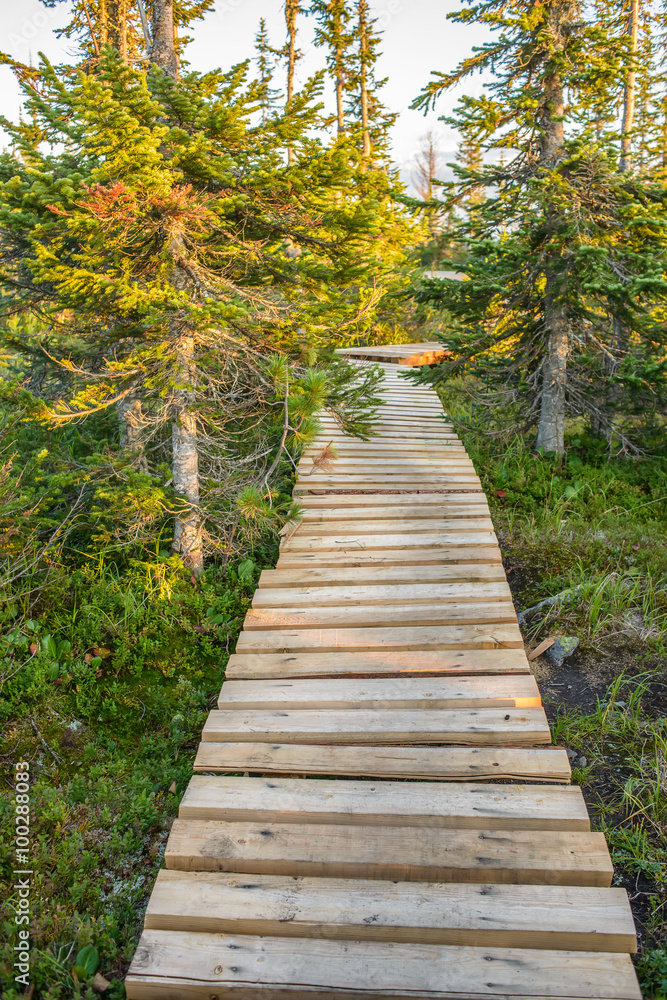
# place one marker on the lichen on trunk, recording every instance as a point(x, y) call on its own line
point(551, 430)
point(185, 458)
point(131, 419)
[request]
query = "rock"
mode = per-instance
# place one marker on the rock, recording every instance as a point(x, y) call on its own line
point(571, 754)
point(561, 649)
point(583, 762)
point(100, 984)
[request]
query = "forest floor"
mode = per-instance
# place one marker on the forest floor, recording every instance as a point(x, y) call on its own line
point(109, 710)
point(595, 531)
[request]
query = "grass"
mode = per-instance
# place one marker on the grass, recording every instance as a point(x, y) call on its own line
point(594, 530)
point(110, 739)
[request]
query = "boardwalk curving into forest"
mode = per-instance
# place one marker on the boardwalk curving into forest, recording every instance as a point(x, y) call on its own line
point(378, 810)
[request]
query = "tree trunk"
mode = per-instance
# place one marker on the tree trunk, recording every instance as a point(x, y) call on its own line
point(625, 161)
point(184, 442)
point(551, 430)
point(363, 80)
point(291, 11)
point(117, 26)
point(163, 51)
point(103, 23)
point(131, 420)
point(185, 459)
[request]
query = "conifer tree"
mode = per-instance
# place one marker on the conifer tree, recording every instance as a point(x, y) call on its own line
point(184, 282)
point(265, 60)
point(335, 32)
point(564, 243)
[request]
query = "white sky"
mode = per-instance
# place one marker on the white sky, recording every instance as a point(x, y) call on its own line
point(417, 38)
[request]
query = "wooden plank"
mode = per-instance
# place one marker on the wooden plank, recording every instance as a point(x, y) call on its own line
point(379, 447)
point(464, 806)
point(394, 525)
point(408, 556)
point(278, 968)
point(378, 615)
point(330, 576)
point(321, 481)
point(410, 853)
point(470, 727)
point(397, 540)
point(557, 917)
point(351, 465)
point(396, 594)
point(487, 636)
point(361, 663)
point(462, 514)
point(377, 761)
point(435, 497)
point(499, 691)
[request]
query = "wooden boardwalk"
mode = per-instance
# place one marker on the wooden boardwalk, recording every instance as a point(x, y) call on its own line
point(378, 811)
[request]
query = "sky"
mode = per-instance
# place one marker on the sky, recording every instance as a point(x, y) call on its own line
point(416, 39)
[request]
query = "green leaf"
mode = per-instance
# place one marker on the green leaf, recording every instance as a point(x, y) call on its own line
point(88, 959)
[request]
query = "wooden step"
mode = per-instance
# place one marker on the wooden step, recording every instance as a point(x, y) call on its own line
point(379, 614)
point(394, 525)
point(322, 542)
point(269, 968)
point(361, 663)
point(517, 691)
point(327, 640)
point(409, 555)
point(476, 592)
point(378, 761)
point(522, 916)
point(473, 727)
point(464, 806)
point(414, 498)
point(460, 513)
point(410, 853)
point(385, 480)
point(368, 576)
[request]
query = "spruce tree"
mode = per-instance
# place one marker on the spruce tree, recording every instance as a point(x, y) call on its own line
point(186, 270)
point(334, 31)
point(564, 243)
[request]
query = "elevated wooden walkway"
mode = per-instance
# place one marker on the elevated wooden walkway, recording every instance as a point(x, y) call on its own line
point(410, 355)
point(378, 811)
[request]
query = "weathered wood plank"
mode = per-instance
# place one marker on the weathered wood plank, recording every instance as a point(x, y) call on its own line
point(500, 691)
point(330, 576)
point(476, 592)
point(557, 917)
point(464, 806)
point(281, 968)
point(414, 498)
point(490, 636)
point(371, 615)
point(378, 761)
point(386, 663)
point(407, 556)
point(394, 525)
point(397, 540)
point(459, 513)
point(412, 853)
point(471, 727)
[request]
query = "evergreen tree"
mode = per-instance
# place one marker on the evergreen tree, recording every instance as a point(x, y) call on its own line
point(157, 240)
point(335, 32)
point(565, 242)
point(265, 60)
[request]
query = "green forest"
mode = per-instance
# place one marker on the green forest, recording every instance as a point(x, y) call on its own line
point(181, 254)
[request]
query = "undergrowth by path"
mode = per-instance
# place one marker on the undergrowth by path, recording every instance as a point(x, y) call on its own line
point(594, 531)
point(108, 711)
